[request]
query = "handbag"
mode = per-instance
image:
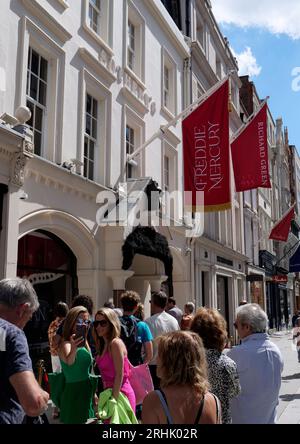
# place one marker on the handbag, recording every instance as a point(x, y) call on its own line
point(57, 382)
point(141, 381)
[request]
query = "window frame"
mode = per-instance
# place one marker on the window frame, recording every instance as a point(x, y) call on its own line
point(89, 84)
point(133, 16)
point(90, 138)
point(104, 35)
point(168, 63)
point(32, 36)
point(35, 102)
point(134, 121)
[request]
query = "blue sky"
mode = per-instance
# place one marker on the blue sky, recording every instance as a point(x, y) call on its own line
point(267, 48)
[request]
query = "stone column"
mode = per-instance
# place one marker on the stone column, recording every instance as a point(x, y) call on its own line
point(119, 278)
point(11, 232)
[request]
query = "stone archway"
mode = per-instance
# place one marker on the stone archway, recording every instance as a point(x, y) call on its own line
point(68, 228)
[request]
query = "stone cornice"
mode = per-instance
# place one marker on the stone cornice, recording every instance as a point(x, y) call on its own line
point(61, 179)
point(48, 20)
point(168, 26)
point(104, 66)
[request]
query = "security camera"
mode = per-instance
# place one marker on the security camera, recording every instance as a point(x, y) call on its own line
point(23, 195)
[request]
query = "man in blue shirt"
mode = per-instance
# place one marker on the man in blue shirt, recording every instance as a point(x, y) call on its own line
point(20, 393)
point(259, 365)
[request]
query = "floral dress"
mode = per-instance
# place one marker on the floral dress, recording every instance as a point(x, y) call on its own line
point(224, 380)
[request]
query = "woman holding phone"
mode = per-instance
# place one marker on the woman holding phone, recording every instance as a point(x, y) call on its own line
point(76, 361)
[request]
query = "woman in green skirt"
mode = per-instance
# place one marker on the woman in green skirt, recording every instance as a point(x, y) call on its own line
point(78, 395)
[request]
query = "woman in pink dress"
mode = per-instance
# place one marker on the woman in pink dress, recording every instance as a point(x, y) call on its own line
point(111, 357)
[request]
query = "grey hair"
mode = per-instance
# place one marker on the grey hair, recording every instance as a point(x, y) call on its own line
point(17, 291)
point(190, 306)
point(254, 316)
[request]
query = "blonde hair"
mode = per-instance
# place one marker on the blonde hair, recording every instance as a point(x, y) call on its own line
point(70, 321)
point(114, 328)
point(182, 360)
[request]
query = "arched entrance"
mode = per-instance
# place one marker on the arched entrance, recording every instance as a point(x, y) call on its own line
point(50, 265)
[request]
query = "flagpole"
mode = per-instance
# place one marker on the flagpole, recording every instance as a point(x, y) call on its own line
point(179, 116)
point(248, 121)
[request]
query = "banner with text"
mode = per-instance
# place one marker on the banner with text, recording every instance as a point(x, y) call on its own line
point(206, 154)
point(250, 155)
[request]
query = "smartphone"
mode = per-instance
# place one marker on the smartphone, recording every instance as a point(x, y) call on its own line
point(80, 332)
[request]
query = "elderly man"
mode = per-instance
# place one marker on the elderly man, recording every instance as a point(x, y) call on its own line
point(259, 365)
point(20, 392)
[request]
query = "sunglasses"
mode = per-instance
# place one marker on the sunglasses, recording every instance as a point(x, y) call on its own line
point(102, 323)
point(82, 322)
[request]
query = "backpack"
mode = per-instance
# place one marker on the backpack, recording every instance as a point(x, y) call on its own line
point(129, 335)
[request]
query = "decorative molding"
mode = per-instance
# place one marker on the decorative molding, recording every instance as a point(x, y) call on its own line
point(98, 39)
point(135, 93)
point(28, 148)
point(171, 137)
point(169, 26)
point(104, 66)
point(63, 3)
point(18, 169)
point(43, 278)
point(48, 21)
point(4, 152)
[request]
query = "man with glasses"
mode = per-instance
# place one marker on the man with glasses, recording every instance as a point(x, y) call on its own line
point(259, 365)
point(20, 393)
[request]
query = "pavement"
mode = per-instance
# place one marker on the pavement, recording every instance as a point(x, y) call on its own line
point(289, 397)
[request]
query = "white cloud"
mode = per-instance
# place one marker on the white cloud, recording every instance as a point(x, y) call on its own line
point(247, 63)
point(276, 16)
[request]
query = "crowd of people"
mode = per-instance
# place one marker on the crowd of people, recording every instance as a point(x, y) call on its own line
point(181, 356)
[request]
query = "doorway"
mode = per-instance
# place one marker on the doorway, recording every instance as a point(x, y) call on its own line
point(222, 297)
point(50, 265)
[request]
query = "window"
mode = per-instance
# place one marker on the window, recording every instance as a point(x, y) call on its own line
point(36, 96)
point(200, 32)
point(198, 89)
point(98, 23)
point(131, 46)
point(90, 136)
point(129, 149)
point(94, 15)
point(218, 68)
point(166, 173)
point(169, 98)
point(166, 87)
point(134, 39)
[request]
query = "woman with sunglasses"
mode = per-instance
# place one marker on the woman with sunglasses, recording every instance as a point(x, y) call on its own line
point(76, 405)
point(111, 357)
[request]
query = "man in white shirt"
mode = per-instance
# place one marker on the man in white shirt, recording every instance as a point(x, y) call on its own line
point(159, 323)
point(259, 364)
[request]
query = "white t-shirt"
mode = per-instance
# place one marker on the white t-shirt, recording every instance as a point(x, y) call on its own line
point(159, 324)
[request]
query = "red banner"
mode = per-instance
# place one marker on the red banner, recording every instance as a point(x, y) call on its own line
point(206, 152)
point(250, 155)
point(281, 229)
